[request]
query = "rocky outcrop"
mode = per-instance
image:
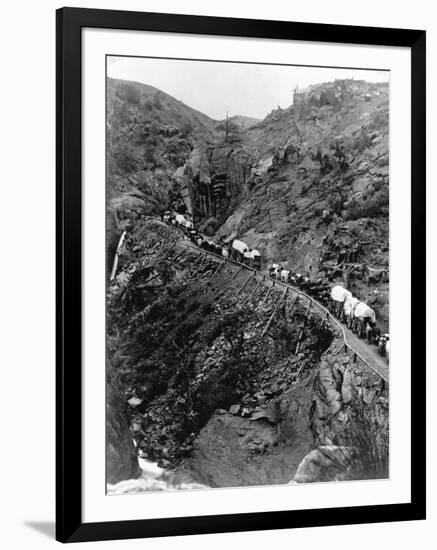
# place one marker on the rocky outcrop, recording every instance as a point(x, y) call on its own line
point(232, 451)
point(322, 205)
point(344, 389)
point(265, 448)
point(326, 463)
point(121, 455)
point(309, 434)
point(218, 175)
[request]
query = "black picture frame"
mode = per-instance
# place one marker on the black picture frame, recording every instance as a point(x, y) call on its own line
point(69, 525)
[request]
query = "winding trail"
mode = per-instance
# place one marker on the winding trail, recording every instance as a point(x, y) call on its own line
point(345, 339)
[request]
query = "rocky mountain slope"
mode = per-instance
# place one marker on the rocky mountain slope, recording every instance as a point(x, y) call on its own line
point(150, 137)
point(319, 197)
point(307, 186)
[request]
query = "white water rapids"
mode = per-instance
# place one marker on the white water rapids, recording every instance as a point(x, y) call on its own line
point(153, 478)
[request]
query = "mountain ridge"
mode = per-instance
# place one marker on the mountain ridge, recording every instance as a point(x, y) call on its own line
point(307, 185)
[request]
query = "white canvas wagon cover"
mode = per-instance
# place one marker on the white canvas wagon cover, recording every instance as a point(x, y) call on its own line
point(339, 294)
point(240, 246)
point(252, 254)
point(350, 304)
point(364, 311)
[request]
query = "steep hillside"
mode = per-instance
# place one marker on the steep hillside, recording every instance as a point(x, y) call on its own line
point(150, 136)
point(161, 154)
point(319, 195)
point(214, 397)
point(307, 186)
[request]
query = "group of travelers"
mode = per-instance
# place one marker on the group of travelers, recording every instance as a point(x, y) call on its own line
point(355, 314)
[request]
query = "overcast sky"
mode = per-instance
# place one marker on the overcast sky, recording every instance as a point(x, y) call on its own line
point(216, 87)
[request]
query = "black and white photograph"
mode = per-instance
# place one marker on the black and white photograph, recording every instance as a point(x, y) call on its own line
point(247, 274)
point(217, 282)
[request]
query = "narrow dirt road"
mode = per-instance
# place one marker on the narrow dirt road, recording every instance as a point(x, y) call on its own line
point(369, 353)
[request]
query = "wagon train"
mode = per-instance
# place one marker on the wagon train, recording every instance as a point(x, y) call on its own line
point(348, 309)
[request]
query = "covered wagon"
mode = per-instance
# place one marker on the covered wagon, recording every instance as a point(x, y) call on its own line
point(285, 275)
point(238, 250)
point(252, 258)
point(338, 297)
point(364, 319)
point(349, 309)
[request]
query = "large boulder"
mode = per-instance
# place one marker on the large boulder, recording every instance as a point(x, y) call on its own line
point(263, 449)
point(326, 463)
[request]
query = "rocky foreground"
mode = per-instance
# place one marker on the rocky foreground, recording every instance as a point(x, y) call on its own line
point(206, 396)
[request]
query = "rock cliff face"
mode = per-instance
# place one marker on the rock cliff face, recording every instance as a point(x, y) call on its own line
point(121, 455)
point(330, 424)
point(217, 177)
point(319, 196)
point(232, 450)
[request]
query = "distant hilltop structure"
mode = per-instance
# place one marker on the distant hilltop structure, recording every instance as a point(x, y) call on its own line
point(335, 93)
